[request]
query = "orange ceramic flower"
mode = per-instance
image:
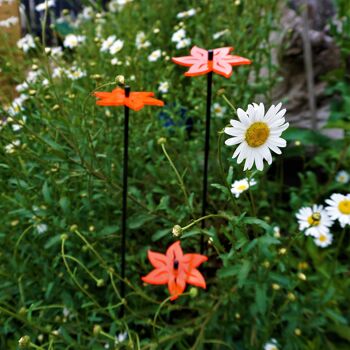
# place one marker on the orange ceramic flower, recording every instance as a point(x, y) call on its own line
point(200, 64)
point(135, 101)
point(175, 269)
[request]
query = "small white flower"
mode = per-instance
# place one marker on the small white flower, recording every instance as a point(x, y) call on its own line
point(271, 345)
point(323, 239)
point(219, 110)
point(116, 47)
point(106, 44)
point(276, 232)
point(342, 177)
point(155, 55)
point(45, 5)
point(71, 40)
point(121, 337)
point(117, 5)
point(141, 42)
point(65, 312)
point(186, 14)
point(218, 35)
point(240, 186)
point(11, 147)
point(115, 61)
point(33, 76)
point(163, 87)
point(178, 35)
point(57, 72)
point(22, 87)
point(26, 43)
point(75, 73)
point(8, 22)
point(339, 208)
point(183, 43)
point(56, 51)
point(41, 228)
point(87, 13)
point(45, 82)
point(314, 220)
point(257, 134)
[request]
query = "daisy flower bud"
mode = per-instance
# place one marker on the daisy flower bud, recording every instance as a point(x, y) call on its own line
point(177, 230)
point(24, 342)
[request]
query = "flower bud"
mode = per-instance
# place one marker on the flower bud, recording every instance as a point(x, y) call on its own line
point(120, 80)
point(96, 330)
point(64, 237)
point(282, 251)
point(177, 230)
point(291, 296)
point(161, 141)
point(100, 282)
point(276, 286)
point(297, 331)
point(193, 292)
point(24, 342)
point(301, 276)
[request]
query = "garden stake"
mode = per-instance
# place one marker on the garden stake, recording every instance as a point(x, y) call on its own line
point(125, 194)
point(136, 101)
point(202, 62)
point(207, 144)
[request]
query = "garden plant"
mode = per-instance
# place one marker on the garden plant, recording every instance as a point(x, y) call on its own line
point(127, 223)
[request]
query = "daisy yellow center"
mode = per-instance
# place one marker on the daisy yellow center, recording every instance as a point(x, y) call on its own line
point(322, 238)
point(242, 187)
point(314, 219)
point(344, 206)
point(257, 134)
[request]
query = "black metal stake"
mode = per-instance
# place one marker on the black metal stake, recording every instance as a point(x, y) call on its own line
point(125, 194)
point(207, 144)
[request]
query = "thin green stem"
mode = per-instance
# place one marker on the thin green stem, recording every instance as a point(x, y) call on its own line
point(204, 218)
point(179, 178)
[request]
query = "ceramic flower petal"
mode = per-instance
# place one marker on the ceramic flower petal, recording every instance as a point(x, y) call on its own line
point(135, 101)
point(200, 64)
point(175, 269)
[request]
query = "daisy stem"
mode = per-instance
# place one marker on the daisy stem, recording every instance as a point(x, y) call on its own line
point(252, 201)
point(179, 178)
point(229, 103)
point(204, 218)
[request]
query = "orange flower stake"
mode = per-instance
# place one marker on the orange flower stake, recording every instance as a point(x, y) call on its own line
point(135, 101)
point(206, 62)
point(175, 269)
point(200, 63)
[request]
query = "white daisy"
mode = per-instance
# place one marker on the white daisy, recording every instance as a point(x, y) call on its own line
point(186, 14)
point(183, 43)
point(8, 22)
point(314, 220)
point(343, 177)
point(11, 147)
point(218, 110)
point(271, 345)
point(45, 5)
point(41, 228)
point(339, 208)
point(26, 43)
point(155, 55)
point(257, 134)
point(106, 44)
point(163, 87)
point(116, 47)
point(115, 61)
point(323, 239)
point(178, 35)
point(71, 40)
point(141, 42)
point(218, 35)
point(75, 73)
point(240, 186)
point(276, 232)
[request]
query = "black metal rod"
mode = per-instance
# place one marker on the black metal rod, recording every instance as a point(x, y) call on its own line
point(207, 145)
point(125, 194)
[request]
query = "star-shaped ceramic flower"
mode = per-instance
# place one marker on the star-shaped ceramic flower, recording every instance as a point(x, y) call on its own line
point(200, 63)
point(136, 100)
point(175, 269)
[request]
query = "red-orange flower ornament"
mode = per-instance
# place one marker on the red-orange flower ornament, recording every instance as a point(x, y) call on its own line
point(175, 269)
point(136, 100)
point(200, 63)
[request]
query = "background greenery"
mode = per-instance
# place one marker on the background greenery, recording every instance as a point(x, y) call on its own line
point(59, 286)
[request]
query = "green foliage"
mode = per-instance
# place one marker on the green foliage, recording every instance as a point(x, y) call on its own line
point(61, 199)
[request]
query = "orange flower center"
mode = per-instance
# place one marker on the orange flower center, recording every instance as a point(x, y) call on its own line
point(314, 219)
point(344, 206)
point(257, 134)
